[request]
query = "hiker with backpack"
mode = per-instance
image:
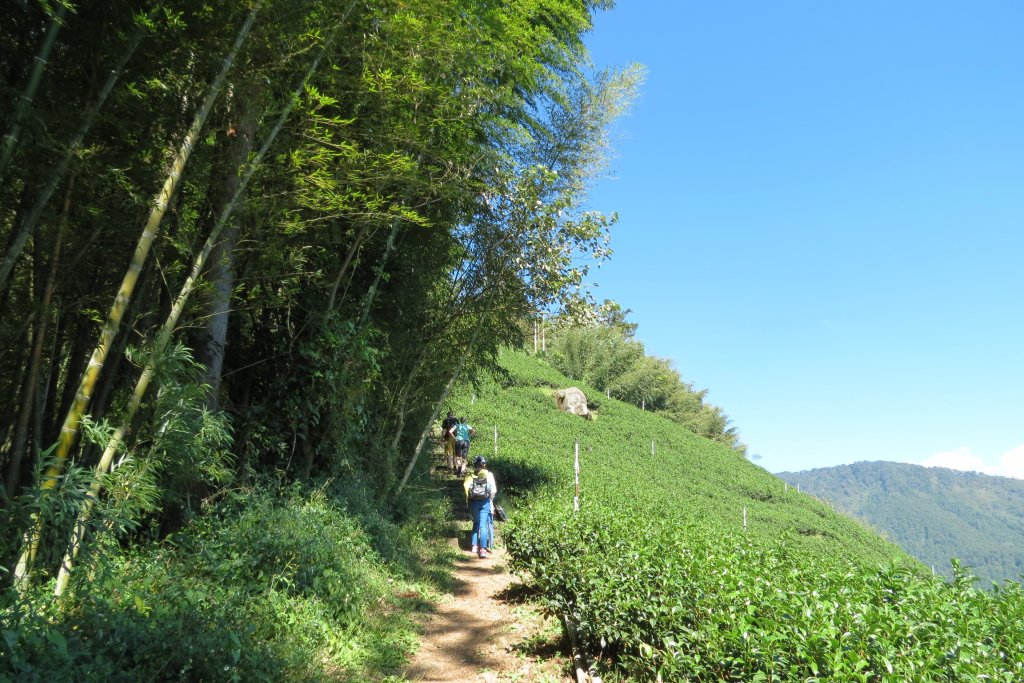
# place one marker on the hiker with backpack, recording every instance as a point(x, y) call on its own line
point(462, 433)
point(480, 489)
point(449, 440)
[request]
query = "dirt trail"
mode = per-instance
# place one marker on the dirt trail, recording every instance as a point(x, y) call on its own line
point(481, 633)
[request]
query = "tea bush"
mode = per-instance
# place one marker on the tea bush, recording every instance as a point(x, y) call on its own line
point(660, 578)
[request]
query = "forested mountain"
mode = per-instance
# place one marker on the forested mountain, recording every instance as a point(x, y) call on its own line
point(934, 513)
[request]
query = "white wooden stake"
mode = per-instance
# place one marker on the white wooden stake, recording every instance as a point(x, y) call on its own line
point(744, 519)
point(652, 446)
point(495, 441)
point(576, 499)
point(786, 489)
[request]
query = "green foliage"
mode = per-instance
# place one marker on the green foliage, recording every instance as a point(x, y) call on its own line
point(933, 513)
point(605, 356)
point(660, 577)
point(267, 586)
point(597, 355)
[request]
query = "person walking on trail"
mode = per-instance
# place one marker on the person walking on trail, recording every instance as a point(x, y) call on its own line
point(462, 432)
point(449, 440)
point(480, 489)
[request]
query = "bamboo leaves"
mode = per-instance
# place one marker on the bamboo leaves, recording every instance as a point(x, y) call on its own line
point(335, 252)
point(69, 430)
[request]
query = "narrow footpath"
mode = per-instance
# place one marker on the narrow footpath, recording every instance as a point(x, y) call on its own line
point(482, 633)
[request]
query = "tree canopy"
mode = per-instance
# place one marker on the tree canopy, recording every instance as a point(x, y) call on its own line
point(319, 212)
point(602, 352)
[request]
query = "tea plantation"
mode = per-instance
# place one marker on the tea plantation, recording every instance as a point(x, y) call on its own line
point(693, 564)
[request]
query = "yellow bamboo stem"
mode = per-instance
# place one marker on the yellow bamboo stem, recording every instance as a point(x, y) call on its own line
point(69, 430)
point(164, 338)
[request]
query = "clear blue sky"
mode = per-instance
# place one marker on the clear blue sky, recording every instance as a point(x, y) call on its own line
point(822, 221)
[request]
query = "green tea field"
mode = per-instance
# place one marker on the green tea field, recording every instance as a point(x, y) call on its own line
point(686, 562)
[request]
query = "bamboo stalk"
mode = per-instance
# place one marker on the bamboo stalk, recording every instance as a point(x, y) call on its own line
point(344, 266)
point(69, 430)
point(35, 362)
point(403, 392)
point(28, 224)
point(13, 135)
point(164, 337)
point(372, 293)
point(437, 406)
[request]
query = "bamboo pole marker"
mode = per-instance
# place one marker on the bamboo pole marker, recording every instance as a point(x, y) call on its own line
point(576, 499)
point(495, 441)
point(744, 519)
point(652, 446)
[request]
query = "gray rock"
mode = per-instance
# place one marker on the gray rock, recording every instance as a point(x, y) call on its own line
point(573, 401)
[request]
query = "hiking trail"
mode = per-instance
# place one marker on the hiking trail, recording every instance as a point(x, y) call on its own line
point(482, 632)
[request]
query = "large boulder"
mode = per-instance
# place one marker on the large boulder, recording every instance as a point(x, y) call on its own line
point(573, 401)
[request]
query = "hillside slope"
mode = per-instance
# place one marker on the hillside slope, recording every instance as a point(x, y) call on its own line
point(688, 479)
point(934, 513)
point(690, 563)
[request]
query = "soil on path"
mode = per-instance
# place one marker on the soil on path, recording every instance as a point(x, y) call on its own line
point(481, 633)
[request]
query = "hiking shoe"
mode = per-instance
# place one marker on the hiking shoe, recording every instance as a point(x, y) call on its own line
point(483, 554)
point(474, 550)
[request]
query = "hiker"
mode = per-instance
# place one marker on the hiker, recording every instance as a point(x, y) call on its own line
point(480, 489)
point(449, 440)
point(462, 433)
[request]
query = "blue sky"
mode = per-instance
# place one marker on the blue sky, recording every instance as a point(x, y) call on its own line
point(822, 221)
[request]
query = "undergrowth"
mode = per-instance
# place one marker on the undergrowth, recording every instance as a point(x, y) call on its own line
point(271, 583)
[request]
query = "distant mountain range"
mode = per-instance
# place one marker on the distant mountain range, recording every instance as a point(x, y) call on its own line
point(935, 514)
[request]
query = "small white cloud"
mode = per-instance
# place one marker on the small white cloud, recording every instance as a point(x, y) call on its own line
point(1011, 463)
point(962, 459)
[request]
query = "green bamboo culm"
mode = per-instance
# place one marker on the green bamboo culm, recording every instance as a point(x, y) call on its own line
point(13, 134)
point(28, 225)
point(69, 430)
point(164, 336)
point(437, 406)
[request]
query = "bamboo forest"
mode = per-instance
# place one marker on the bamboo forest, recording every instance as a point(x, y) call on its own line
point(253, 245)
